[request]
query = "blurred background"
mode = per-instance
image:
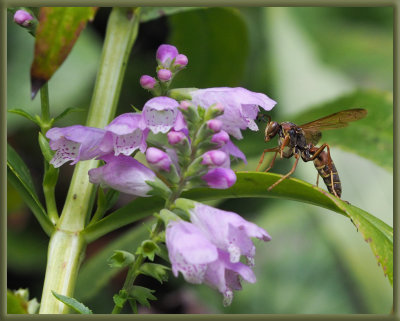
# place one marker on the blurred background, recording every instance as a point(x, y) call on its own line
point(317, 262)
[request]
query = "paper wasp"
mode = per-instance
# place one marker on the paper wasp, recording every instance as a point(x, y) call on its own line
point(300, 141)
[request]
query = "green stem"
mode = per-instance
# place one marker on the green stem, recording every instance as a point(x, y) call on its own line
point(45, 107)
point(50, 173)
point(121, 33)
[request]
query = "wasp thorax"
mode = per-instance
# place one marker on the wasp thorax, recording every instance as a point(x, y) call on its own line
point(271, 130)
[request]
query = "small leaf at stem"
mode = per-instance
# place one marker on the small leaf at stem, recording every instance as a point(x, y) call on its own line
point(68, 111)
point(142, 295)
point(25, 114)
point(73, 303)
point(120, 298)
point(120, 259)
point(157, 271)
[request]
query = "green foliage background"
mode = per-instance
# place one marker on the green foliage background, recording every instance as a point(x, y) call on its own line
point(312, 61)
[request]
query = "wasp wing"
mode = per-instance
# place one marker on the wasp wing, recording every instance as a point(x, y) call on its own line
point(312, 130)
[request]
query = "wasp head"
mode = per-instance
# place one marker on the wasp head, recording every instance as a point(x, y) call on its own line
point(271, 130)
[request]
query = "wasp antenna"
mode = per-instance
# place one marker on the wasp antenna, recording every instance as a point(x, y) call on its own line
point(269, 118)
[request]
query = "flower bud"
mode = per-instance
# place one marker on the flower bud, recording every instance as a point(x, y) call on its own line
point(164, 74)
point(214, 158)
point(165, 54)
point(158, 159)
point(215, 125)
point(175, 137)
point(23, 18)
point(124, 174)
point(180, 61)
point(147, 82)
point(184, 105)
point(220, 178)
point(220, 138)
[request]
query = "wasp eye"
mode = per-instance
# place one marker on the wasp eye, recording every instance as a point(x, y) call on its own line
point(271, 130)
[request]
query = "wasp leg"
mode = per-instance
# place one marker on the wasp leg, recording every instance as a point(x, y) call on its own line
point(316, 184)
point(276, 150)
point(287, 175)
point(284, 143)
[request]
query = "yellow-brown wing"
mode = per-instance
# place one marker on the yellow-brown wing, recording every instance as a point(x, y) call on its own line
point(312, 130)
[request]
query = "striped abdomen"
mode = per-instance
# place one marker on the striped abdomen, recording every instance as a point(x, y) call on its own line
point(325, 170)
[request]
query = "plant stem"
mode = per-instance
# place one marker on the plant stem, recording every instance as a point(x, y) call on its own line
point(50, 173)
point(121, 33)
point(45, 108)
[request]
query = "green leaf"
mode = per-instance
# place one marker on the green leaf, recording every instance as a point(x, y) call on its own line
point(58, 30)
point(68, 111)
point(214, 50)
point(73, 303)
point(19, 176)
point(151, 13)
point(371, 137)
point(255, 184)
point(25, 114)
point(142, 295)
point(120, 259)
point(157, 271)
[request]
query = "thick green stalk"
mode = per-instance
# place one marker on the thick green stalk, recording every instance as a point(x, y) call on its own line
point(67, 245)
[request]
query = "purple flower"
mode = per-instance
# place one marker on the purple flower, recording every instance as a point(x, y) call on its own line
point(160, 114)
point(189, 251)
point(175, 137)
point(220, 178)
point(23, 18)
point(220, 138)
point(229, 232)
point(231, 149)
point(125, 134)
point(158, 159)
point(215, 125)
point(215, 158)
point(124, 174)
point(199, 260)
point(165, 54)
point(181, 61)
point(147, 82)
point(75, 143)
point(241, 106)
point(164, 74)
point(209, 248)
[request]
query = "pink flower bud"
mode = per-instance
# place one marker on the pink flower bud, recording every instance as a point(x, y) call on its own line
point(184, 105)
point(23, 18)
point(181, 60)
point(165, 54)
point(220, 178)
point(175, 137)
point(220, 138)
point(214, 158)
point(158, 159)
point(215, 125)
point(164, 74)
point(147, 82)
point(218, 107)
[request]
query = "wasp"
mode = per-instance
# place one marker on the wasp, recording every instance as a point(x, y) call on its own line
point(300, 142)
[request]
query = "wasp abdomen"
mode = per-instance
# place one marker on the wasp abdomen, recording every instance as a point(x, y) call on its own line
point(328, 172)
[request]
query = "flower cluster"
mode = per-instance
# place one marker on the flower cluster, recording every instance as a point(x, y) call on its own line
point(208, 249)
point(170, 62)
point(187, 143)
